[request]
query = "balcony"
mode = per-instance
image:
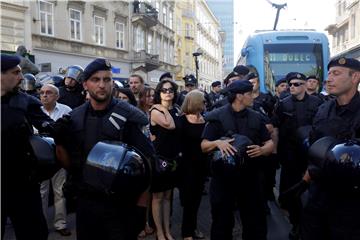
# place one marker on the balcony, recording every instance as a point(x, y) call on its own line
point(145, 14)
point(145, 61)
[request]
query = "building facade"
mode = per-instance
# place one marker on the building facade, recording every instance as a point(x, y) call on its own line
point(184, 39)
point(224, 11)
point(346, 31)
point(15, 25)
point(209, 42)
point(136, 38)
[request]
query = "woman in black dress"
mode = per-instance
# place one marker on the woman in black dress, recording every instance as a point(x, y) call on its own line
point(193, 168)
point(163, 118)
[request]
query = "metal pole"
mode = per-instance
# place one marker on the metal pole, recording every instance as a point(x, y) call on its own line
point(196, 68)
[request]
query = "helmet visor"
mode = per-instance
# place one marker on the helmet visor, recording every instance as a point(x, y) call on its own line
point(73, 73)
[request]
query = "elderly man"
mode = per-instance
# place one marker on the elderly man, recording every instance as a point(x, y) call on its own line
point(49, 94)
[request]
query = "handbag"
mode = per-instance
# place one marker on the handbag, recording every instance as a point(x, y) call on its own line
point(165, 165)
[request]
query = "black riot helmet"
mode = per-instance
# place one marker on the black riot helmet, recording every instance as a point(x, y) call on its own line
point(58, 80)
point(339, 159)
point(229, 165)
point(28, 83)
point(74, 72)
point(43, 149)
point(347, 153)
point(116, 168)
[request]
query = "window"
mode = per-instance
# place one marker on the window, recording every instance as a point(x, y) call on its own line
point(187, 30)
point(158, 44)
point(99, 30)
point(164, 15)
point(139, 39)
point(170, 20)
point(171, 53)
point(157, 6)
point(120, 35)
point(353, 26)
point(46, 18)
point(150, 48)
point(75, 24)
point(165, 50)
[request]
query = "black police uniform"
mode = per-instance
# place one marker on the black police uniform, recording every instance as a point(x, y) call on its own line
point(101, 215)
point(72, 98)
point(244, 191)
point(332, 212)
point(265, 104)
point(20, 189)
point(293, 114)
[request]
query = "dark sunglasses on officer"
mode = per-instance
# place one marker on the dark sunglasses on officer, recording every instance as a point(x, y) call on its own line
point(296, 84)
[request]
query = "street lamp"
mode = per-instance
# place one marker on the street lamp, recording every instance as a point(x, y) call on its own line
point(196, 54)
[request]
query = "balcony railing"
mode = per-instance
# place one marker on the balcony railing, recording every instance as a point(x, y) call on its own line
point(142, 59)
point(145, 13)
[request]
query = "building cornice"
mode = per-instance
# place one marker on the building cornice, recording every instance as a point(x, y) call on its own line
point(13, 7)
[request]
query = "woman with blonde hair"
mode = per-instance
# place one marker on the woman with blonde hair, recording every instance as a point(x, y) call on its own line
point(194, 167)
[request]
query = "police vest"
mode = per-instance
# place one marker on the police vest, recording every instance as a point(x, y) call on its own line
point(290, 122)
point(328, 123)
point(224, 115)
point(112, 126)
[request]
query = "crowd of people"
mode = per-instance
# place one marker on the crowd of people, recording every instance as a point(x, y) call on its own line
point(236, 135)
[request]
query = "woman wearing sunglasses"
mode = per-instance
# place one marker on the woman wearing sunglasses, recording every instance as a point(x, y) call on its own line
point(163, 127)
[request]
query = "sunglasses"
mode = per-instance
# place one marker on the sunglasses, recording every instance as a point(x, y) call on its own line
point(297, 84)
point(167, 90)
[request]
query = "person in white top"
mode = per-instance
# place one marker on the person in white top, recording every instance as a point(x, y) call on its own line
point(49, 94)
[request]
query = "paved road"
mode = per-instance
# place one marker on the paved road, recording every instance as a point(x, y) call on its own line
point(278, 226)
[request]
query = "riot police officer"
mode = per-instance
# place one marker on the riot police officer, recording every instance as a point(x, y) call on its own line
point(294, 112)
point(190, 84)
point(28, 85)
point(71, 93)
point(20, 189)
point(332, 210)
point(243, 187)
point(101, 213)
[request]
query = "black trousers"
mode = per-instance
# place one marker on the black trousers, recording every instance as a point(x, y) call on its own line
point(245, 194)
point(22, 204)
point(191, 188)
point(104, 218)
point(331, 217)
point(289, 177)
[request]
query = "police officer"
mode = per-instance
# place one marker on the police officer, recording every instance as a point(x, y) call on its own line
point(101, 214)
point(332, 211)
point(294, 112)
point(243, 189)
point(28, 85)
point(71, 93)
point(214, 95)
point(230, 78)
point(313, 85)
point(190, 84)
point(20, 189)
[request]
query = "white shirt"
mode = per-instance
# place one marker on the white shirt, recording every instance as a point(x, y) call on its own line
point(58, 112)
